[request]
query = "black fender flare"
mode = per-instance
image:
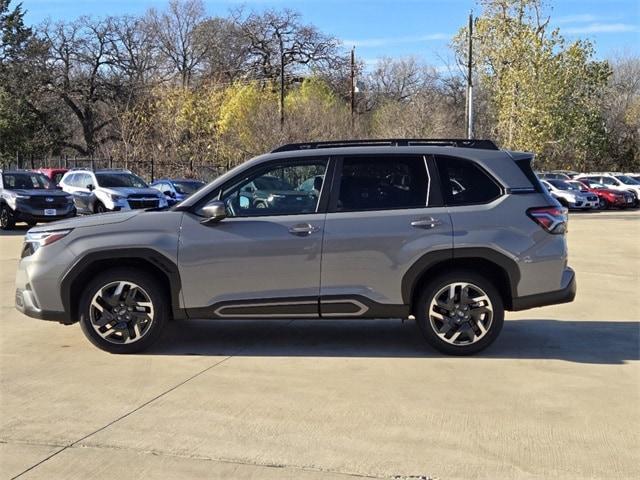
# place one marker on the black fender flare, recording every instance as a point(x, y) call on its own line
point(157, 259)
point(432, 259)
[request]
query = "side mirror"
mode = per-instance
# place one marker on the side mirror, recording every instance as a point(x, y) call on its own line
point(214, 212)
point(90, 187)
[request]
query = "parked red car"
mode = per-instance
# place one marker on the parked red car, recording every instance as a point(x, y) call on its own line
point(53, 174)
point(608, 198)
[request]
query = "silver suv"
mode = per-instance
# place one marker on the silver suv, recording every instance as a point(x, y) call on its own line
point(110, 190)
point(449, 232)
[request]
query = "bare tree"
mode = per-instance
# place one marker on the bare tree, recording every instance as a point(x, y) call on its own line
point(278, 40)
point(176, 31)
point(82, 74)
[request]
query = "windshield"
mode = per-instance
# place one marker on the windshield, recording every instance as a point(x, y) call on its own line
point(271, 183)
point(627, 180)
point(187, 187)
point(578, 185)
point(562, 185)
point(114, 180)
point(26, 181)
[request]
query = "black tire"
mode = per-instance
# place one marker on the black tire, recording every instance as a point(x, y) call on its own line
point(429, 292)
point(99, 208)
point(32, 224)
point(150, 286)
point(603, 204)
point(7, 222)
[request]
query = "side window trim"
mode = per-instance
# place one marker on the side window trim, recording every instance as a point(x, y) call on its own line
point(323, 199)
point(337, 180)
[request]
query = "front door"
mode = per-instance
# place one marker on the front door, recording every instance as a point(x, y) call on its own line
point(263, 260)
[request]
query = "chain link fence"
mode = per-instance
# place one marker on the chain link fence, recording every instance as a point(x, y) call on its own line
point(149, 170)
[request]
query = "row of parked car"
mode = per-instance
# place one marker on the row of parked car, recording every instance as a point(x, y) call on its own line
point(584, 191)
point(33, 196)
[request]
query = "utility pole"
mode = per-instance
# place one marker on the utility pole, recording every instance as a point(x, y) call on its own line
point(281, 84)
point(470, 80)
point(353, 88)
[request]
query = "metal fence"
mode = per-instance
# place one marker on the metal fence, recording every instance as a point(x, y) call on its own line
point(147, 169)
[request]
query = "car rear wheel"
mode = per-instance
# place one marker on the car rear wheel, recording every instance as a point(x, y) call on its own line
point(460, 313)
point(7, 222)
point(603, 204)
point(123, 311)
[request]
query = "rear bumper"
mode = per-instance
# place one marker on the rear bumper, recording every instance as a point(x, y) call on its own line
point(565, 295)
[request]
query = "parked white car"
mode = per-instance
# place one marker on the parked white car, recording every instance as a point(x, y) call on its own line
point(570, 195)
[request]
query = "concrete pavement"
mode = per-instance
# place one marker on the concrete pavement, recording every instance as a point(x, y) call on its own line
point(557, 396)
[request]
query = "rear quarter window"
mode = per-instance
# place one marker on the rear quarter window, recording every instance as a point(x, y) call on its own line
point(465, 183)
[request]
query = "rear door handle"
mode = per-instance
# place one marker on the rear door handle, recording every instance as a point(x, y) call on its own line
point(426, 223)
point(303, 229)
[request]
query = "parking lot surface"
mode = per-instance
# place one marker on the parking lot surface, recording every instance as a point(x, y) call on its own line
point(557, 396)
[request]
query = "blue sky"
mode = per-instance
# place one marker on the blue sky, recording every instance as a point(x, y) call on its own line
point(395, 28)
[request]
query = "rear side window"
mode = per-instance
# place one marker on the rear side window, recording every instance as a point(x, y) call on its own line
point(465, 183)
point(383, 183)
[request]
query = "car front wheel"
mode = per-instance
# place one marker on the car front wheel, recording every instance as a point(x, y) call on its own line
point(123, 310)
point(7, 222)
point(460, 313)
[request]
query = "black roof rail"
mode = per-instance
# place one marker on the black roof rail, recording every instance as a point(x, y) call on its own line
point(391, 142)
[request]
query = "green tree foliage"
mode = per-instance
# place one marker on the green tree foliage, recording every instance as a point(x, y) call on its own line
point(544, 92)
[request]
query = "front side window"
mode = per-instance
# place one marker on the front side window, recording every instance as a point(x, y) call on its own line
point(114, 180)
point(383, 183)
point(275, 191)
point(465, 183)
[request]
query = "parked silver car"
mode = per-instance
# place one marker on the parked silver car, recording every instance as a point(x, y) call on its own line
point(451, 232)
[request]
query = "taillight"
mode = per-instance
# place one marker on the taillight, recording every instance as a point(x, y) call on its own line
point(552, 219)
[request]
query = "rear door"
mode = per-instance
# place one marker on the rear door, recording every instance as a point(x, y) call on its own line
point(385, 214)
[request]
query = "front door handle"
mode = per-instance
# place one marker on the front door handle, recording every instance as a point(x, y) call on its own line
point(426, 223)
point(303, 229)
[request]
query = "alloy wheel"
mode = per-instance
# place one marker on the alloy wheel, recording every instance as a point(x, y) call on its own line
point(121, 312)
point(461, 313)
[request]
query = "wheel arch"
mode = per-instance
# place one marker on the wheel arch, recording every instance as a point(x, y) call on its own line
point(501, 270)
point(152, 261)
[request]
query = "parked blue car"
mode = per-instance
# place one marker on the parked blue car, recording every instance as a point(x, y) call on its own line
point(177, 190)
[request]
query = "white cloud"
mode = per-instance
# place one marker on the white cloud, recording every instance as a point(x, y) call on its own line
point(602, 28)
point(578, 18)
point(383, 42)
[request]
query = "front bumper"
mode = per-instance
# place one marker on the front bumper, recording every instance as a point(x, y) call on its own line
point(33, 215)
point(565, 295)
point(27, 304)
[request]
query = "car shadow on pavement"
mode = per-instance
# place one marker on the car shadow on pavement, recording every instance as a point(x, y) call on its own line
point(603, 342)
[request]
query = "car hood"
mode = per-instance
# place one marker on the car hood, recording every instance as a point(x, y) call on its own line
point(126, 191)
point(89, 221)
point(607, 190)
point(39, 192)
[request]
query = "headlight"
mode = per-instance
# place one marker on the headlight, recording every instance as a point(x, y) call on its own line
point(115, 197)
point(36, 240)
point(13, 197)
